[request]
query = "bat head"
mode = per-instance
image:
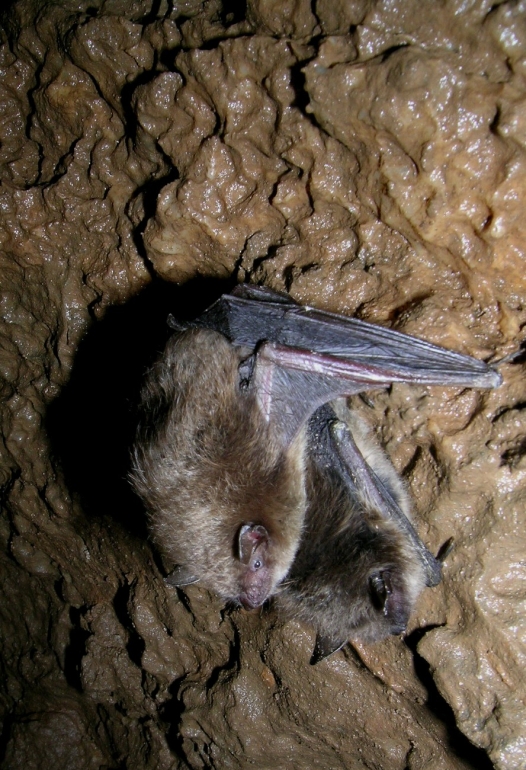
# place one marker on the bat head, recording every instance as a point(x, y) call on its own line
point(256, 574)
point(377, 607)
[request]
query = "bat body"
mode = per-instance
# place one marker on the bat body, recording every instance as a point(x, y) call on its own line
point(224, 495)
point(359, 568)
point(236, 453)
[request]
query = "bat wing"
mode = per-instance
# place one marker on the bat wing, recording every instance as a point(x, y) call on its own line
point(300, 358)
point(357, 474)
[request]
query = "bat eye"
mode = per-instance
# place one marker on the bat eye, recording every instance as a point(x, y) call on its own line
point(257, 564)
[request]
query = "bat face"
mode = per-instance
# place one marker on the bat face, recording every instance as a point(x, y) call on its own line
point(226, 500)
point(236, 453)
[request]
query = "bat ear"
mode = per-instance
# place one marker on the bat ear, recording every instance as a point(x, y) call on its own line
point(325, 646)
point(181, 576)
point(381, 588)
point(389, 599)
point(252, 544)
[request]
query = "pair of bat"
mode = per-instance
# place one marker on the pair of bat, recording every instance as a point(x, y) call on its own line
point(259, 481)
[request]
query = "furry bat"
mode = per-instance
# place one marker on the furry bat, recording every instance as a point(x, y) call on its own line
point(221, 453)
point(360, 564)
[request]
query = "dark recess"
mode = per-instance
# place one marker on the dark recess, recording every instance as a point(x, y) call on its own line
point(92, 423)
point(459, 745)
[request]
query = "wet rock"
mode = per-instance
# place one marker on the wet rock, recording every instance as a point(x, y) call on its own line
point(367, 157)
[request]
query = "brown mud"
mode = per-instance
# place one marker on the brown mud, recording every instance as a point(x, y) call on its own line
point(370, 158)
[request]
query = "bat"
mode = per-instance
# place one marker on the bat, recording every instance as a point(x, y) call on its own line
point(360, 565)
point(225, 457)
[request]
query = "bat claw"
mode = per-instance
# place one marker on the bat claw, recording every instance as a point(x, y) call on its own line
point(180, 576)
point(325, 646)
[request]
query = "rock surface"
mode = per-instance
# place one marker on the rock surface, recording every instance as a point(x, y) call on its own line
point(369, 157)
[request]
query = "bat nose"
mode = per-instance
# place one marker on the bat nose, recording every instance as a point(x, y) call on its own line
point(250, 602)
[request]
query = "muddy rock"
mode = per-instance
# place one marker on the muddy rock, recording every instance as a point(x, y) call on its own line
point(368, 157)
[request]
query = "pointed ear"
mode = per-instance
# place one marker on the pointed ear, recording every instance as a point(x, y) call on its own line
point(181, 576)
point(252, 538)
point(325, 646)
point(390, 600)
point(381, 589)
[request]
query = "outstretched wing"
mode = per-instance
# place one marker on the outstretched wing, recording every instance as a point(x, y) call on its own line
point(300, 358)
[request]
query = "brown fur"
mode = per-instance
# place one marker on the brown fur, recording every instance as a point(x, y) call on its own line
point(345, 543)
point(205, 462)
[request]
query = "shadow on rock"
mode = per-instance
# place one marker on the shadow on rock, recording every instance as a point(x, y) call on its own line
point(92, 423)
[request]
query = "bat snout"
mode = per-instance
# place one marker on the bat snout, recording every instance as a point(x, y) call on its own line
point(249, 603)
point(398, 628)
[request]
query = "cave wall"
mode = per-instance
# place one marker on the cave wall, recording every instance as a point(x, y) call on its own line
point(369, 157)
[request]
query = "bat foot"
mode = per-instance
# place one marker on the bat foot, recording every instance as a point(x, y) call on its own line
point(325, 646)
point(180, 576)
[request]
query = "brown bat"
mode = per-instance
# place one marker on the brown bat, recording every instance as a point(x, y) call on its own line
point(360, 564)
point(225, 492)
point(226, 458)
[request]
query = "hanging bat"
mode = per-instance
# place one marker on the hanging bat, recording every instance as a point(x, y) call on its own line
point(223, 455)
point(360, 564)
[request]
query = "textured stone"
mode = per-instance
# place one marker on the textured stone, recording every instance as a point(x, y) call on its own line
point(370, 158)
